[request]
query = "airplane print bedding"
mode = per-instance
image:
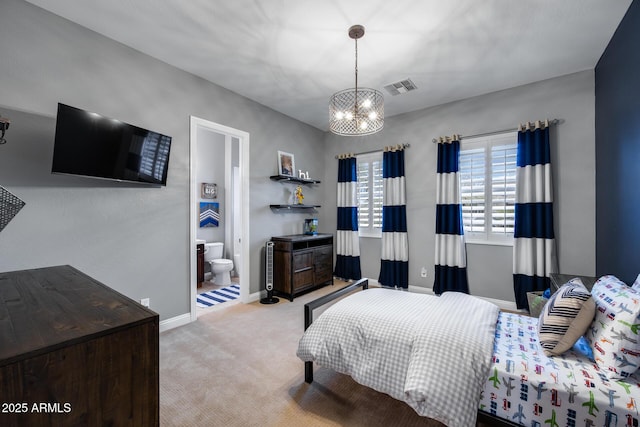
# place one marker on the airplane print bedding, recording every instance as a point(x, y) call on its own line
point(432, 352)
point(528, 388)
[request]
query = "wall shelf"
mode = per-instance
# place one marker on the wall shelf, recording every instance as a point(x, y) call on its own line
point(294, 208)
point(293, 179)
point(289, 207)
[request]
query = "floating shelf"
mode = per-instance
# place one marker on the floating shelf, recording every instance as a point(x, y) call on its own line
point(292, 208)
point(293, 179)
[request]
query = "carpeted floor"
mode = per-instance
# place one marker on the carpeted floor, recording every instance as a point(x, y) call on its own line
point(238, 367)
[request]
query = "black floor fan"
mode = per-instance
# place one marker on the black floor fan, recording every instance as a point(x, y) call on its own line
point(268, 275)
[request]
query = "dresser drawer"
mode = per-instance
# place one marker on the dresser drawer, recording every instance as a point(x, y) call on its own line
point(302, 260)
point(323, 275)
point(302, 279)
point(324, 264)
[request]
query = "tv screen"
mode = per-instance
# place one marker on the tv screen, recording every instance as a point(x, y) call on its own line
point(92, 145)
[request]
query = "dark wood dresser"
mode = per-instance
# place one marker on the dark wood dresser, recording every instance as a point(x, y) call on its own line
point(74, 352)
point(301, 263)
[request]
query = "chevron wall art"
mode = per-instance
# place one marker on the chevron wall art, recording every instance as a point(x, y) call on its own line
point(209, 214)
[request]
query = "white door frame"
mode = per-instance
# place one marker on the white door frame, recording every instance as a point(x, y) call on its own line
point(194, 215)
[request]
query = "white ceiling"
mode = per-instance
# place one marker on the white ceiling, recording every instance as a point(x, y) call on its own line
point(291, 55)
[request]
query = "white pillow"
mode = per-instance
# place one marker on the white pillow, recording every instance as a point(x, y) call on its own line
point(613, 335)
point(636, 284)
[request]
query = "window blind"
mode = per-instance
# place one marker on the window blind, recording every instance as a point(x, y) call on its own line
point(370, 193)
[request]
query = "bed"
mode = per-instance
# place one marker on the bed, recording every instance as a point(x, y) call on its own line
point(506, 382)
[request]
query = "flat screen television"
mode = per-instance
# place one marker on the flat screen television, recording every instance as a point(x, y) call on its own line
point(91, 145)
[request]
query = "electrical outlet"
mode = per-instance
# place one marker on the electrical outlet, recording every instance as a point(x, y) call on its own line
point(145, 302)
point(423, 272)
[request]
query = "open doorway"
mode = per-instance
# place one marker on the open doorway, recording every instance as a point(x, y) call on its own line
point(235, 200)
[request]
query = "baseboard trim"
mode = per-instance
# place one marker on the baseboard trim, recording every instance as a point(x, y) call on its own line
point(255, 296)
point(175, 322)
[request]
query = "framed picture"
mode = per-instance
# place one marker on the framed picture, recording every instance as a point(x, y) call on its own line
point(209, 214)
point(209, 191)
point(286, 164)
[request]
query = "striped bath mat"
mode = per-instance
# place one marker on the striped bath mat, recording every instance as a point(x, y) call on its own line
point(211, 298)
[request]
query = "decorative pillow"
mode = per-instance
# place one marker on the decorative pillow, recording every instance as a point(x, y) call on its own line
point(582, 347)
point(613, 335)
point(565, 317)
point(537, 301)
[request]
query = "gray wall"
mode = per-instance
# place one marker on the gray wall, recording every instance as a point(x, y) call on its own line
point(570, 98)
point(134, 239)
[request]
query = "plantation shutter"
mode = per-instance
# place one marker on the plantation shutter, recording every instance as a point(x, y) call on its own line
point(472, 191)
point(503, 188)
point(488, 188)
point(370, 194)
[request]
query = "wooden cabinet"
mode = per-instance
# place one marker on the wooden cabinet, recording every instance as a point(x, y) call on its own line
point(74, 352)
point(301, 263)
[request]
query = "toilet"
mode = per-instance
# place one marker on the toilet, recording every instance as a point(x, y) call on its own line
point(220, 267)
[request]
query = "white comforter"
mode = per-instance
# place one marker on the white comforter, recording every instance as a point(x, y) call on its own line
point(432, 352)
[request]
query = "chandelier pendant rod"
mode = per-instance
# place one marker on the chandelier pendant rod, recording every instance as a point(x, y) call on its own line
point(355, 107)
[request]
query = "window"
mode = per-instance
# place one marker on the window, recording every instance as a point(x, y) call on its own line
point(488, 188)
point(369, 194)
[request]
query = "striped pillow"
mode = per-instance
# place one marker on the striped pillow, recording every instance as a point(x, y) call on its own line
point(565, 318)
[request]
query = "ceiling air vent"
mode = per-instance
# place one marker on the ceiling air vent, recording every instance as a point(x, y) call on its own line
point(402, 86)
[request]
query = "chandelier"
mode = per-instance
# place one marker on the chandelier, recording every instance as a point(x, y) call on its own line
point(357, 111)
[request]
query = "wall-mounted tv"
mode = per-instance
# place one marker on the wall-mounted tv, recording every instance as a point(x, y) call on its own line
point(95, 146)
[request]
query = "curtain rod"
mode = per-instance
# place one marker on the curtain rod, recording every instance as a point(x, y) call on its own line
point(551, 122)
point(373, 151)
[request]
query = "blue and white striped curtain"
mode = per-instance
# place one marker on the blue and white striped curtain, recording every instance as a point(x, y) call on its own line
point(451, 258)
point(534, 246)
point(394, 268)
point(347, 240)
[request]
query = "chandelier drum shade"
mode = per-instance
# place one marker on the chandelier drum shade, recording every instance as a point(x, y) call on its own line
point(358, 111)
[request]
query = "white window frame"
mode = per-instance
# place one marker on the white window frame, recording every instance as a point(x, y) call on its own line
point(486, 143)
point(369, 159)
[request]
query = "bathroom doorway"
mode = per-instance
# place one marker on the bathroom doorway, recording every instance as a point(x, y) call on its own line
point(231, 148)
